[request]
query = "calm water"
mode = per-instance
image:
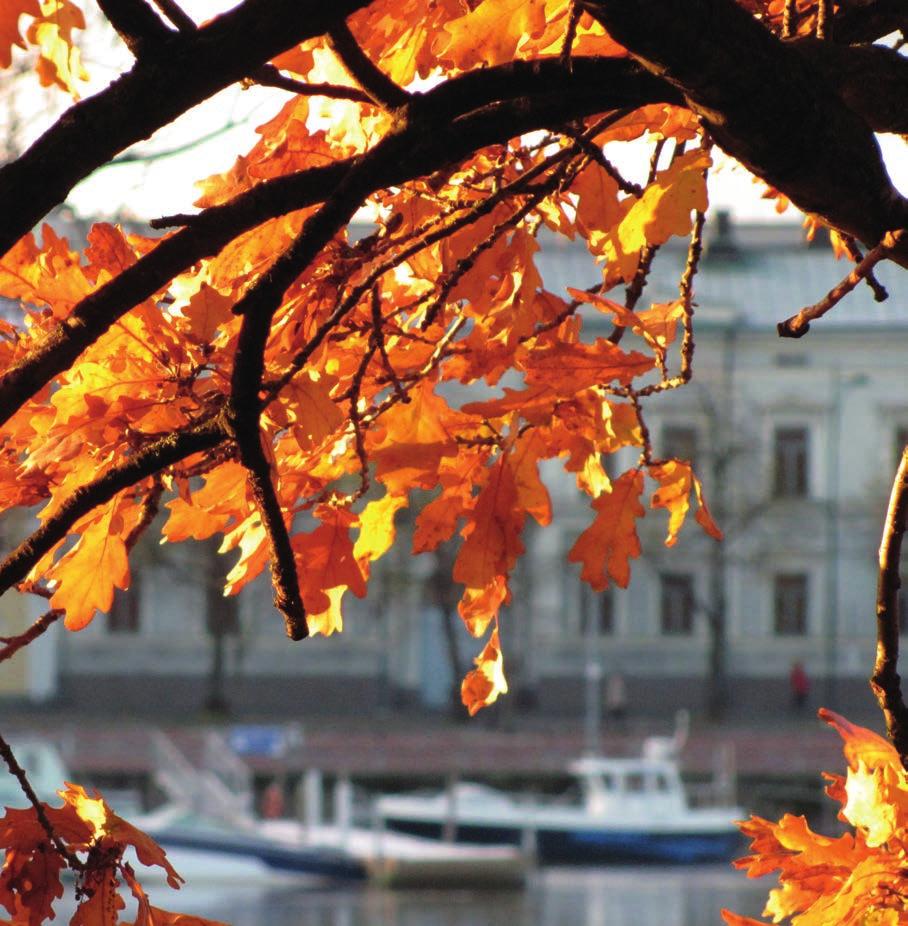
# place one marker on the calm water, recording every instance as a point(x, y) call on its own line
point(556, 897)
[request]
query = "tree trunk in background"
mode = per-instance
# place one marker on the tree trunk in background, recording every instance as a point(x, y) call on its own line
point(221, 621)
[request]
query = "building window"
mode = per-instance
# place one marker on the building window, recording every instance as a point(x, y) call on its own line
point(125, 614)
point(790, 605)
point(677, 603)
point(680, 441)
point(598, 607)
point(790, 462)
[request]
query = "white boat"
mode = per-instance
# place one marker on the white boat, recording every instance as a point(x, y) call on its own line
point(200, 849)
point(629, 809)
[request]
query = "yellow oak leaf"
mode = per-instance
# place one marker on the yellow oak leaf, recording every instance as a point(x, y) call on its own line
point(664, 210)
point(486, 682)
point(60, 62)
point(376, 527)
point(490, 33)
point(331, 620)
point(97, 564)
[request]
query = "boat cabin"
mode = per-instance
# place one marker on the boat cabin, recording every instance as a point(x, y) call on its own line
point(648, 787)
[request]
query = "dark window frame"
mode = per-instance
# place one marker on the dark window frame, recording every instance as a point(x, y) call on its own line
point(791, 604)
point(677, 604)
point(125, 615)
point(791, 461)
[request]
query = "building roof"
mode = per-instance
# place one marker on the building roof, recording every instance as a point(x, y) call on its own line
point(768, 273)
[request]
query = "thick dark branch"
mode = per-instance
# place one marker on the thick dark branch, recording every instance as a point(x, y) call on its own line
point(135, 23)
point(766, 105)
point(371, 78)
point(258, 306)
point(870, 79)
point(885, 682)
point(146, 462)
point(175, 13)
point(869, 20)
point(186, 69)
point(448, 122)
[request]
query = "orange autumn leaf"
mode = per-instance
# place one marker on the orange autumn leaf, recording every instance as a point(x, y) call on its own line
point(486, 682)
point(656, 326)
point(853, 878)
point(59, 61)
point(105, 824)
point(10, 29)
point(207, 311)
point(88, 574)
point(567, 368)
point(492, 542)
point(490, 32)
point(676, 482)
point(326, 560)
point(607, 546)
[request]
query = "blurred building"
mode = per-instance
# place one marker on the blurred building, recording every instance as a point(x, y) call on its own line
point(796, 443)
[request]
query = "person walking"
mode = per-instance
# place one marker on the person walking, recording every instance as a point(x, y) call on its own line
point(800, 685)
point(616, 699)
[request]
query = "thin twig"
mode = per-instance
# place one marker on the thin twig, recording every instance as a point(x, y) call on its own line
point(598, 155)
point(880, 293)
point(18, 773)
point(269, 76)
point(798, 325)
point(824, 19)
point(789, 18)
point(378, 336)
point(14, 644)
point(570, 34)
point(885, 681)
point(150, 506)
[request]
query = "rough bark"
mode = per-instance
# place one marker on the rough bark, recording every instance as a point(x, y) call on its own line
point(766, 104)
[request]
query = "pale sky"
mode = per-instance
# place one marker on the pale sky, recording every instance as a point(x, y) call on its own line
point(164, 186)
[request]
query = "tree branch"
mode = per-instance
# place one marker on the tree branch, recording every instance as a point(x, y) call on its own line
point(269, 76)
point(18, 773)
point(12, 645)
point(136, 23)
point(885, 681)
point(189, 68)
point(798, 325)
point(258, 306)
point(371, 78)
point(146, 462)
point(448, 122)
point(766, 105)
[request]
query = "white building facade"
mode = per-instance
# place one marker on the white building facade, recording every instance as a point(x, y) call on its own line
point(796, 443)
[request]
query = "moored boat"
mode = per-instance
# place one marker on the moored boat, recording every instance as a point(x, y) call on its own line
point(629, 809)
